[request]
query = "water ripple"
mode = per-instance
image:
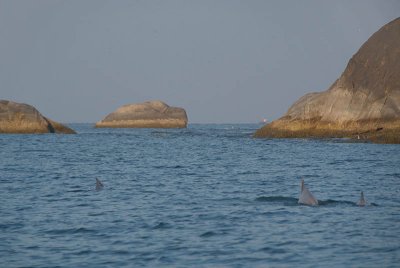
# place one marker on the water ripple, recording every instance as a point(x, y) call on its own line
point(206, 196)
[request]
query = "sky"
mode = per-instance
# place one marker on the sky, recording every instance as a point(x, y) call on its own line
point(232, 61)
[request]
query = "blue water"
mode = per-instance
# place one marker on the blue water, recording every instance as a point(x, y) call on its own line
point(206, 196)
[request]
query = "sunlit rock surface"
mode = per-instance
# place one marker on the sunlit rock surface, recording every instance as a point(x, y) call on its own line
point(364, 103)
point(23, 118)
point(151, 114)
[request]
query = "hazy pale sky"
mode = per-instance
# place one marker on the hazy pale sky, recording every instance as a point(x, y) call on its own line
point(223, 61)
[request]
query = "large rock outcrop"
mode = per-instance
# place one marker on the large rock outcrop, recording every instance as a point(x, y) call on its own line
point(151, 114)
point(364, 103)
point(24, 118)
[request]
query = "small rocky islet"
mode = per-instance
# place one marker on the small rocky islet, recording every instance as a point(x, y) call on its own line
point(21, 118)
point(363, 104)
point(26, 119)
point(150, 114)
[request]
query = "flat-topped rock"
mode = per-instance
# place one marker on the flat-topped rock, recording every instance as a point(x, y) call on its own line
point(364, 103)
point(23, 118)
point(151, 114)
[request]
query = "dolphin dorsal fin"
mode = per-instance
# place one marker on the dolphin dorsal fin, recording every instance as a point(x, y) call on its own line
point(362, 201)
point(99, 184)
point(306, 197)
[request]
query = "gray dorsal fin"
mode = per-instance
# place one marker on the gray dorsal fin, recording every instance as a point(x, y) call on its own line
point(99, 184)
point(306, 197)
point(362, 201)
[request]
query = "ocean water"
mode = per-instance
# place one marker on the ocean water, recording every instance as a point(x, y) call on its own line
point(205, 196)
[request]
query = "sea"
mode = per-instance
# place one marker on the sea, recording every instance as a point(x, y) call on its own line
point(209, 195)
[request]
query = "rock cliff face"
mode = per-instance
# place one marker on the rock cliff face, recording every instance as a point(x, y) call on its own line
point(151, 114)
point(23, 118)
point(364, 103)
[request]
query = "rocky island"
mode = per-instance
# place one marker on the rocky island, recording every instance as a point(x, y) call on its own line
point(151, 114)
point(363, 104)
point(25, 119)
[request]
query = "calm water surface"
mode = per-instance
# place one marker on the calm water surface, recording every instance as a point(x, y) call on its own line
point(208, 196)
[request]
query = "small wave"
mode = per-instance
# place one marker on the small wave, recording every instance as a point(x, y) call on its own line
point(32, 247)
point(162, 225)
point(76, 191)
point(82, 230)
point(208, 234)
point(83, 205)
point(84, 252)
point(177, 166)
point(24, 208)
point(165, 259)
point(277, 199)
point(96, 214)
point(331, 202)
point(249, 173)
point(273, 250)
point(71, 231)
point(121, 252)
point(11, 226)
point(290, 201)
point(172, 167)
